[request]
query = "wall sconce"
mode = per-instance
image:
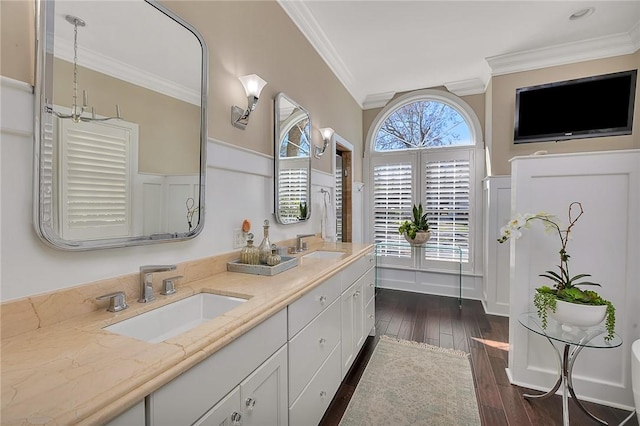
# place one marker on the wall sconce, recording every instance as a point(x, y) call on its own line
point(252, 86)
point(327, 134)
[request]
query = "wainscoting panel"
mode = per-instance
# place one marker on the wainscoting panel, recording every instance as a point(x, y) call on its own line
point(604, 243)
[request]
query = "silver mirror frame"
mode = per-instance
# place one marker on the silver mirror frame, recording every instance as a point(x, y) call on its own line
point(276, 158)
point(42, 192)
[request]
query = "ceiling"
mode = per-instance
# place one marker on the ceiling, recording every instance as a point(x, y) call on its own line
point(378, 48)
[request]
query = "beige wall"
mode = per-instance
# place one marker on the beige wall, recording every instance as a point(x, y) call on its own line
point(243, 37)
point(169, 133)
point(503, 91)
point(17, 40)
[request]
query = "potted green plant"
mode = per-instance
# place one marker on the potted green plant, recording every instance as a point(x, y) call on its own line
point(303, 210)
point(564, 299)
point(416, 231)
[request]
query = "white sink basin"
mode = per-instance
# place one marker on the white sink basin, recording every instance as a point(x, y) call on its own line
point(175, 318)
point(323, 254)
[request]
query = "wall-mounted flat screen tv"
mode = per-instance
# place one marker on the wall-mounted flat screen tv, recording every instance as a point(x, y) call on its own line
point(574, 109)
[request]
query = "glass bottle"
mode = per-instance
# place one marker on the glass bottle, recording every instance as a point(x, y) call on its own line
point(265, 245)
point(250, 253)
point(274, 258)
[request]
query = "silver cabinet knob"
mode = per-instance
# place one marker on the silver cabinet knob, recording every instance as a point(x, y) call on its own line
point(322, 299)
point(372, 285)
point(371, 316)
point(250, 403)
point(323, 394)
point(236, 418)
point(356, 294)
point(322, 341)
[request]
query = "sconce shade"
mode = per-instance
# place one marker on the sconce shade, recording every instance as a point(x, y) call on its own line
point(326, 132)
point(253, 84)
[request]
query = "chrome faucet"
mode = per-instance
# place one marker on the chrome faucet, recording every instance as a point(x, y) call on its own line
point(146, 280)
point(299, 238)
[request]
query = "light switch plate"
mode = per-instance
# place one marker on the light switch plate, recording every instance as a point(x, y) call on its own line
point(239, 238)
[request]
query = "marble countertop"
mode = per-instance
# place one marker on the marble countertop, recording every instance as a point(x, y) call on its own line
point(76, 372)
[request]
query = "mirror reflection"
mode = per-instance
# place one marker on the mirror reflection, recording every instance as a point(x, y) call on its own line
point(292, 138)
point(122, 131)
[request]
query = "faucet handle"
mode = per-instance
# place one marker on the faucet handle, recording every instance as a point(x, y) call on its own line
point(168, 285)
point(117, 301)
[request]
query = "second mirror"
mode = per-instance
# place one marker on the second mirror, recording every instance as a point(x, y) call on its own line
point(292, 150)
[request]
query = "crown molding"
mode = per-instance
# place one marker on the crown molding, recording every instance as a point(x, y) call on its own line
point(474, 86)
point(377, 100)
point(309, 27)
point(568, 53)
point(120, 70)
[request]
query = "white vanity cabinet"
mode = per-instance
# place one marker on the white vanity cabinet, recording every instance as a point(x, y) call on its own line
point(314, 341)
point(358, 314)
point(134, 416)
point(247, 365)
point(260, 400)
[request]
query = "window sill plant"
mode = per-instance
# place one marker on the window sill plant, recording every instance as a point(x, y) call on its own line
point(565, 288)
point(416, 231)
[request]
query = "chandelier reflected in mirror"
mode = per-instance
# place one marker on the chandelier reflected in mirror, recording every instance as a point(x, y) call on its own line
point(80, 112)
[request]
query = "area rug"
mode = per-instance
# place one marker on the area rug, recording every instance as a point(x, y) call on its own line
point(411, 383)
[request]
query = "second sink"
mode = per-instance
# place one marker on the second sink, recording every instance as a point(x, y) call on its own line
point(324, 254)
point(175, 318)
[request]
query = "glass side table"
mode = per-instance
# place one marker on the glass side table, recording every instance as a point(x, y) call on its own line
point(402, 249)
point(574, 341)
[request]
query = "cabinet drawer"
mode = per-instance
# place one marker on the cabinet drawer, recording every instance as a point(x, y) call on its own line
point(309, 408)
point(311, 347)
point(369, 316)
point(369, 284)
point(311, 304)
point(183, 400)
point(357, 269)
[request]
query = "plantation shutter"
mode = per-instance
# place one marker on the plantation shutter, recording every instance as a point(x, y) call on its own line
point(293, 182)
point(447, 184)
point(338, 192)
point(95, 161)
point(392, 203)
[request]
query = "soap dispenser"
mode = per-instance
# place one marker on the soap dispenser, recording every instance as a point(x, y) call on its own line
point(265, 245)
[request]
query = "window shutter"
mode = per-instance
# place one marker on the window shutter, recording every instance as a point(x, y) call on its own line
point(338, 197)
point(292, 191)
point(95, 161)
point(392, 203)
point(447, 202)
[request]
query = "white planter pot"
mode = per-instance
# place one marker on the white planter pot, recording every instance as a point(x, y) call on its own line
point(577, 315)
point(420, 239)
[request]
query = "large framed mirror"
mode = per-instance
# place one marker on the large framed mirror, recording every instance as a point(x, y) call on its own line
point(292, 156)
point(120, 125)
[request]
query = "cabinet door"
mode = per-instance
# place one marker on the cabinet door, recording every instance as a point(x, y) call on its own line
point(264, 393)
point(134, 416)
point(224, 413)
point(352, 302)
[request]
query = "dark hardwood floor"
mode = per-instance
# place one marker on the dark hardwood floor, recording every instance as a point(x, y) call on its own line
point(438, 321)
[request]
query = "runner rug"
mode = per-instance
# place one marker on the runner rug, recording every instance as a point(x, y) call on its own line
point(411, 383)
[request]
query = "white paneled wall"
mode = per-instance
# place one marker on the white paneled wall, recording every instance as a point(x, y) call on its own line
point(239, 185)
point(497, 208)
point(605, 243)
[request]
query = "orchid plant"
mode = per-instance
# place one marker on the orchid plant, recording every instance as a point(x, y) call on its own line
point(565, 287)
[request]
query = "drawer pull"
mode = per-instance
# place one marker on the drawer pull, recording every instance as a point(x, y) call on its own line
point(250, 403)
point(371, 316)
point(356, 294)
point(322, 341)
point(323, 394)
point(323, 299)
point(372, 285)
point(236, 418)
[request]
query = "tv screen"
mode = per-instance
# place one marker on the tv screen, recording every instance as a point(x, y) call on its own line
point(583, 108)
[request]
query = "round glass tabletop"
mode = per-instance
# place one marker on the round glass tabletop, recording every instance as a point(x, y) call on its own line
point(588, 337)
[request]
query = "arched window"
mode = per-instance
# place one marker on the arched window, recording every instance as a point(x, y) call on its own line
point(422, 150)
